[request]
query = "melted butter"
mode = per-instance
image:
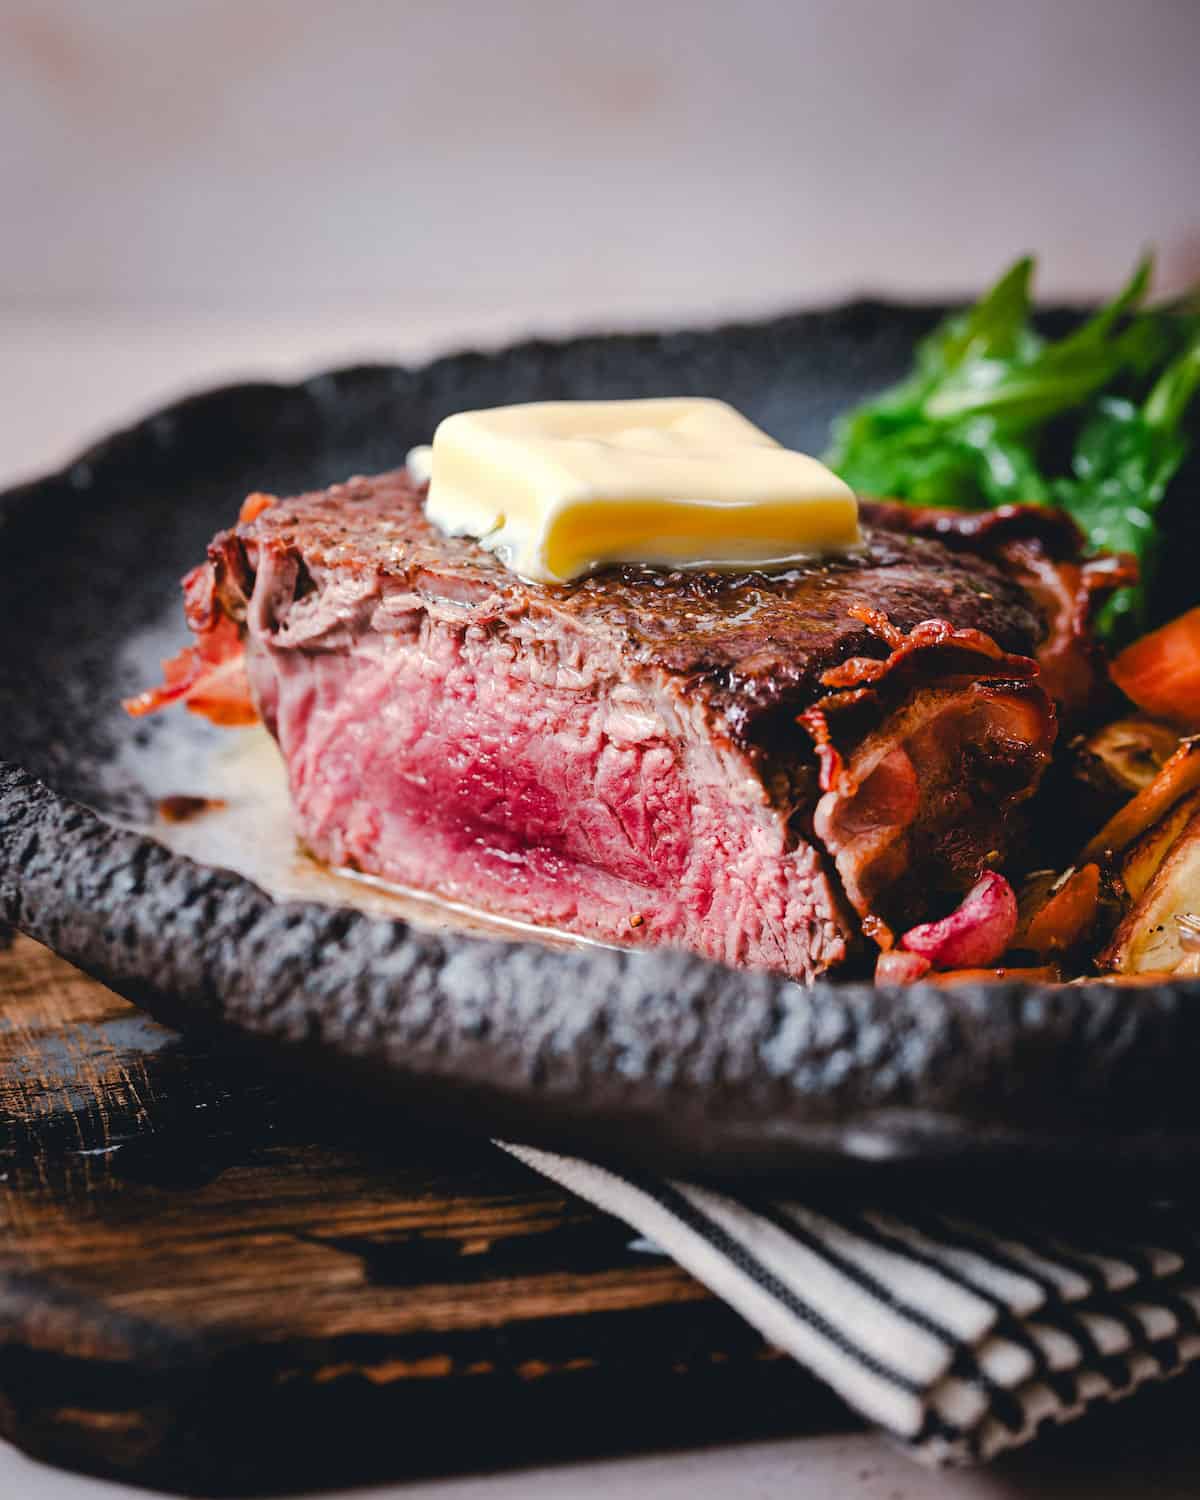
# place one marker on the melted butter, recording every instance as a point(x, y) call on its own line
point(557, 489)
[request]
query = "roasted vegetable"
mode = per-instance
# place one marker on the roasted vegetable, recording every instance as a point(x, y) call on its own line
point(993, 413)
point(1188, 966)
point(1145, 855)
point(1161, 671)
point(977, 932)
point(1042, 974)
point(1117, 761)
point(1150, 938)
point(1061, 921)
point(1179, 776)
point(898, 967)
point(1124, 459)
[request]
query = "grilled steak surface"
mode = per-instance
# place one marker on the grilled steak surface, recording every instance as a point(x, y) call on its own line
point(631, 757)
point(753, 640)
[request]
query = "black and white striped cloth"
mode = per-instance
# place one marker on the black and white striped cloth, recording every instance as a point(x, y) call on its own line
point(960, 1338)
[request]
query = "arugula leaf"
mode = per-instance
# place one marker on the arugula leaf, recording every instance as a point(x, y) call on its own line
point(1125, 457)
point(995, 328)
point(993, 413)
point(1039, 380)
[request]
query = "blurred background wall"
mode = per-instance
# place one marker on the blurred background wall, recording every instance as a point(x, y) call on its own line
point(195, 187)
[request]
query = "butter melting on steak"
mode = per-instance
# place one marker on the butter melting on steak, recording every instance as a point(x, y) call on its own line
point(631, 757)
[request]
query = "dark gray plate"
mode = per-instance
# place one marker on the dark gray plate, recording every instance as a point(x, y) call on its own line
point(661, 1060)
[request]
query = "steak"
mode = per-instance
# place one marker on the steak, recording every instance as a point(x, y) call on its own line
point(755, 767)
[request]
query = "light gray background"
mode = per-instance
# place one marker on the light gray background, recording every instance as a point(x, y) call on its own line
point(682, 154)
point(192, 190)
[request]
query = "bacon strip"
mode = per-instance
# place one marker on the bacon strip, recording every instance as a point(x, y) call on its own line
point(209, 677)
point(928, 635)
point(1043, 550)
point(855, 680)
point(1068, 594)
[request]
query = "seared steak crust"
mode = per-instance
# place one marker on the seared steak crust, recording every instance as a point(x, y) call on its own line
point(750, 643)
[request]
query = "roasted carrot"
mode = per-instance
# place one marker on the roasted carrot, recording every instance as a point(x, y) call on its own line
point(1042, 974)
point(1179, 776)
point(1161, 671)
point(1067, 916)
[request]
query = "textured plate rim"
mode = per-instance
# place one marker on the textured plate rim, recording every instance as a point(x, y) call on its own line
point(746, 1123)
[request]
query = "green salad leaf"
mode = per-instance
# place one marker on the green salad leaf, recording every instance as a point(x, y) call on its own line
point(994, 413)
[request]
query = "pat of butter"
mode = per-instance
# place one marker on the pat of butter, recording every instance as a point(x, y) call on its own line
point(559, 488)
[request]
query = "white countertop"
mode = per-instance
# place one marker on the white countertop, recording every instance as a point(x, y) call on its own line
point(65, 381)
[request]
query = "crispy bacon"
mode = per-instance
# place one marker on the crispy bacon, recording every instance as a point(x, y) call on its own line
point(209, 677)
point(939, 635)
point(981, 531)
point(1042, 549)
point(816, 721)
point(961, 730)
point(253, 506)
point(970, 653)
point(1068, 594)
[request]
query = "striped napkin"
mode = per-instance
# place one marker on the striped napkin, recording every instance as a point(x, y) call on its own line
point(958, 1337)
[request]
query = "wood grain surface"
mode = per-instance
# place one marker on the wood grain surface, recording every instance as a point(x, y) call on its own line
point(218, 1281)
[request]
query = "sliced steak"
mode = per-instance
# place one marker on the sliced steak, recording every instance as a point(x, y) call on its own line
point(740, 764)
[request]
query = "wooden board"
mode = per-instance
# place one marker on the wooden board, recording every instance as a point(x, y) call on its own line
point(218, 1281)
